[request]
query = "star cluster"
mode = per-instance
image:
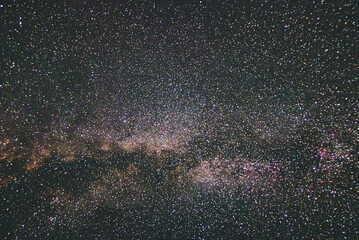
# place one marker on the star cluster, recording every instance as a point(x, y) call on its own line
point(179, 120)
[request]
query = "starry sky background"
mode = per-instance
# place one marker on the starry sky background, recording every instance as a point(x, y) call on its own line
point(179, 119)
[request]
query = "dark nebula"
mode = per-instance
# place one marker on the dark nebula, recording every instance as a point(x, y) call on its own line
point(179, 120)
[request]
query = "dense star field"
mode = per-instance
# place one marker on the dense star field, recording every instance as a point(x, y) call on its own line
point(179, 120)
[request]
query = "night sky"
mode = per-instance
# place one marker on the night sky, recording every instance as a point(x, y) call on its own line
point(179, 119)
